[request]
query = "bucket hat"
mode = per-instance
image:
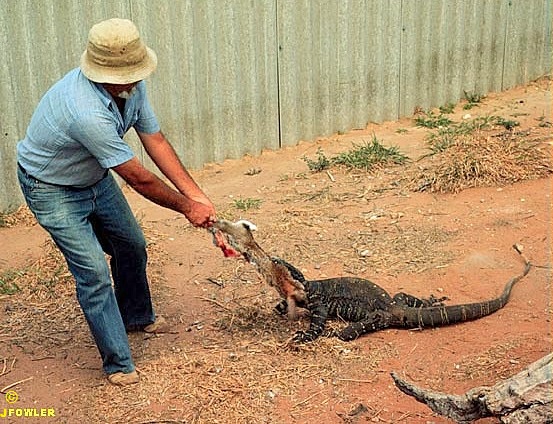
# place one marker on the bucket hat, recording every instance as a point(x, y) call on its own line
point(115, 54)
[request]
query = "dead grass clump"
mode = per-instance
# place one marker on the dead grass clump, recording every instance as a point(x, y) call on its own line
point(21, 216)
point(39, 307)
point(482, 159)
point(240, 380)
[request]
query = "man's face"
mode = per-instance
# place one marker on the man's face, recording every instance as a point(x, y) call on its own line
point(123, 91)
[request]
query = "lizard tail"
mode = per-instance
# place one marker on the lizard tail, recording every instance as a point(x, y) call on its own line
point(444, 315)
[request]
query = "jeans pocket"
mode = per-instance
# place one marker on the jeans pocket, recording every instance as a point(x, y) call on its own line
point(43, 199)
point(26, 183)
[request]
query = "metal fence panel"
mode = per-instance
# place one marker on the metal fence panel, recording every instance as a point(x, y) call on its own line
point(338, 65)
point(239, 76)
point(216, 85)
point(449, 47)
point(528, 41)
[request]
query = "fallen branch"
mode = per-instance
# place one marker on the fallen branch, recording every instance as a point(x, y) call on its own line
point(524, 398)
point(9, 386)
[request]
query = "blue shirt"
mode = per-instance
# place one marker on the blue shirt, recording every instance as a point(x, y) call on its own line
point(76, 131)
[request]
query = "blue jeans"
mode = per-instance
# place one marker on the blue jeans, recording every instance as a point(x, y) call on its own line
point(85, 223)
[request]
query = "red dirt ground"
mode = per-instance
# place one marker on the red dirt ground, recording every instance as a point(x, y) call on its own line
point(327, 228)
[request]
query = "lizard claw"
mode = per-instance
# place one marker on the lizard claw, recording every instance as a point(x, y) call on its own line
point(281, 307)
point(302, 337)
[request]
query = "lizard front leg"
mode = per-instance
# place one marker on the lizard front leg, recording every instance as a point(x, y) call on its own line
point(282, 307)
point(319, 315)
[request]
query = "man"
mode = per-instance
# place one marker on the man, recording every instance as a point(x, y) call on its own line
point(73, 140)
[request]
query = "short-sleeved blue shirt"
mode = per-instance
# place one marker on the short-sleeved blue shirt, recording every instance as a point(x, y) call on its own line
point(76, 132)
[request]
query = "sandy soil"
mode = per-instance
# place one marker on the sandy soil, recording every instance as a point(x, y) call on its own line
point(327, 224)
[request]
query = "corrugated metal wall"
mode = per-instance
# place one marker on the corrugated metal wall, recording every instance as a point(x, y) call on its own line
point(338, 65)
point(239, 76)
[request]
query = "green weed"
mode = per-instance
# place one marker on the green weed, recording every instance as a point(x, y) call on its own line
point(319, 164)
point(448, 108)
point(431, 120)
point(247, 203)
point(543, 123)
point(370, 154)
point(472, 99)
point(364, 157)
point(7, 282)
point(507, 123)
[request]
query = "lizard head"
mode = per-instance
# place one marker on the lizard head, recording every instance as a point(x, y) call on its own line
point(238, 235)
point(286, 279)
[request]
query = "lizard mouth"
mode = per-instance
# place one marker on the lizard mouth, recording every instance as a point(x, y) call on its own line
point(221, 242)
point(233, 238)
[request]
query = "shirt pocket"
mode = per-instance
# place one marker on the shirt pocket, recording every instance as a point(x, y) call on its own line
point(132, 119)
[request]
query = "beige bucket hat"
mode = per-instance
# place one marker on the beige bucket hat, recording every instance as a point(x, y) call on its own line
point(115, 54)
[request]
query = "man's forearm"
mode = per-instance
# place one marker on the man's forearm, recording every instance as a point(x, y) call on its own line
point(163, 195)
point(166, 159)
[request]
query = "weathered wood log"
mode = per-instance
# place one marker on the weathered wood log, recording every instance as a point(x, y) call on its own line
point(526, 397)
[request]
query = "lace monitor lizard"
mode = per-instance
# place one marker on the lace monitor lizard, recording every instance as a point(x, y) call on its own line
point(366, 306)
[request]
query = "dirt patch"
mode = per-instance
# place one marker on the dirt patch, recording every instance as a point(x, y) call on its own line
point(229, 360)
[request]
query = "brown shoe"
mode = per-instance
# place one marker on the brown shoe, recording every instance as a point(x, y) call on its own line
point(123, 379)
point(159, 326)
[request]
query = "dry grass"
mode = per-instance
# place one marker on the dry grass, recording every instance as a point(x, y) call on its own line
point(45, 296)
point(21, 216)
point(483, 158)
point(230, 380)
point(237, 373)
point(244, 370)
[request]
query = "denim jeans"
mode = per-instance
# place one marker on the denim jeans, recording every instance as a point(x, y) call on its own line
point(85, 223)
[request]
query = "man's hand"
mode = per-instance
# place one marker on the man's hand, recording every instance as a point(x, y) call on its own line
point(187, 199)
point(198, 209)
point(202, 213)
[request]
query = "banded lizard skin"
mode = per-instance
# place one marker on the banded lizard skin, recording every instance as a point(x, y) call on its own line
point(366, 306)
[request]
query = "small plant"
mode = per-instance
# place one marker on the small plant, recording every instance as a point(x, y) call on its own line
point(543, 123)
point(431, 120)
point(507, 123)
point(7, 282)
point(448, 108)
point(472, 100)
point(247, 203)
point(370, 154)
point(318, 165)
point(478, 123)
point(360, 157)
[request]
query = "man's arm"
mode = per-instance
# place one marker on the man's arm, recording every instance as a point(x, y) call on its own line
point(146, 183)
point(164, 156)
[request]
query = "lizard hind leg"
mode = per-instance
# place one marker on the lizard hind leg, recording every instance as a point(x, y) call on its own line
point(404, 299)
point(375, 321)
